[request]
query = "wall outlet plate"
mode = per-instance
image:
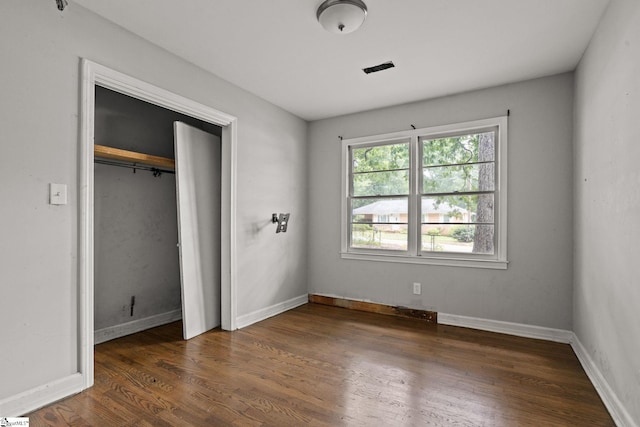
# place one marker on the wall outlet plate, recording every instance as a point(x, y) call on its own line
point(417, 288)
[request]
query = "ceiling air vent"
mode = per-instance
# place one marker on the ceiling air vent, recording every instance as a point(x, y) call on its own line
point(379, 67)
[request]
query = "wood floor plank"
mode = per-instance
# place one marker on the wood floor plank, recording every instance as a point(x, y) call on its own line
point(326, 366)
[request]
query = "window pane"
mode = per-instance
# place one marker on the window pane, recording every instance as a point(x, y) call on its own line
point(458, 238)
point(469, 209)
point(372, 210)
point(379, 236)
point(381, 158)
point(472, 148)
point(450, 179)
point(379, 223)
point(381, 183)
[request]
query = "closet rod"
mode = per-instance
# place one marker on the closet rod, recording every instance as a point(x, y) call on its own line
point(156, 171)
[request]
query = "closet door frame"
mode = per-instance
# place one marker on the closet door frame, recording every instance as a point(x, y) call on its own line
point(93, 74)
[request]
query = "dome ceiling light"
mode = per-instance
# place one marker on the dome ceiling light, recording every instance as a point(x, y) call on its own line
point(341, 16)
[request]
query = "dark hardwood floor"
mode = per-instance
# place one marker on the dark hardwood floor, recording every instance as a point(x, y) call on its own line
point(320, 365)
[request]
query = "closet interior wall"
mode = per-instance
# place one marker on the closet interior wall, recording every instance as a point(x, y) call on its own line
point(137, 271)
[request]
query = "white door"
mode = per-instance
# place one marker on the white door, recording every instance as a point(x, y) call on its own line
point(198, 157)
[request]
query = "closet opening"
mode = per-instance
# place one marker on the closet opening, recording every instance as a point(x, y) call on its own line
point(137, 263)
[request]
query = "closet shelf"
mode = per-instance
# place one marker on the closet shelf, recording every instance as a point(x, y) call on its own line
point(105, 152)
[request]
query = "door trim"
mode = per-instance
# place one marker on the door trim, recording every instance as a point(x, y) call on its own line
point(93, 74)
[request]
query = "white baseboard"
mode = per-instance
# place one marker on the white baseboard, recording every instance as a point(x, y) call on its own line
point(517, 329)
point(30, 400)
point(117, 331)
point(616, 409)
point(265, 313)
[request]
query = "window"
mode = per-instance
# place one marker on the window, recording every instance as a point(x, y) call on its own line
point(434, 195)
point(384, 218)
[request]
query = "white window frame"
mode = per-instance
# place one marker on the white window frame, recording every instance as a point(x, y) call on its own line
point(414, 255)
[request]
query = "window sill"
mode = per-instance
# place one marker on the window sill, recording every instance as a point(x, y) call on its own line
point(449, 262)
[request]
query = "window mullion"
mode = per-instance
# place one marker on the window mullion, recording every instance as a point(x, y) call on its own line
point(418, 196)
point(414, 188)
point(347, 189)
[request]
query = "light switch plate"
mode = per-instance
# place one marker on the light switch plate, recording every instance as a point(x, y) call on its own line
point(58, 194)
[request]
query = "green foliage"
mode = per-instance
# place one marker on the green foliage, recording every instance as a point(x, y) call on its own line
point(381, 170)
point(463, 233)
point(434, 232)
point(447, 151)
point(381, 158)
point(362, 228)
point(451, 164)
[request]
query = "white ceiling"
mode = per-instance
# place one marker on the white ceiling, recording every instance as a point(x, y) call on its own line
point(277, 50)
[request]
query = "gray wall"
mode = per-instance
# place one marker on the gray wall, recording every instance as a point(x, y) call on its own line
point(135, 246)
point(607, 189)
point(537, 287)
point(39, 81)
point(135, 219)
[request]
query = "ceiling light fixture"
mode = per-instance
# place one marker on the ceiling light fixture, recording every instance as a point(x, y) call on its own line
point(341, 16)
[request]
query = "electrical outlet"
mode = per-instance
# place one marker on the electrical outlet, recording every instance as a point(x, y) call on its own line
point(417, 288)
